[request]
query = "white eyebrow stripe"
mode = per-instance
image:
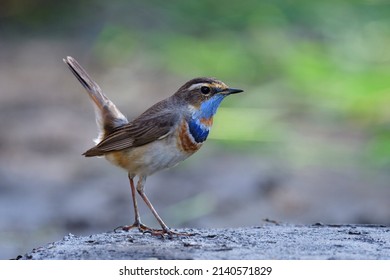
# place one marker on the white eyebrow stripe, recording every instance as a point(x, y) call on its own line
point(194, 86)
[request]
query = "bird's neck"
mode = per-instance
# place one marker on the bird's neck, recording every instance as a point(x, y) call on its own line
point(201, 118)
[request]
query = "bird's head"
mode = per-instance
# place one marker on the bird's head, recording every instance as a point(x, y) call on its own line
point(204, 95)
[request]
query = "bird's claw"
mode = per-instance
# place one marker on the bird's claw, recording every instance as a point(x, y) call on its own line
point(165, 232)
point(141, 227)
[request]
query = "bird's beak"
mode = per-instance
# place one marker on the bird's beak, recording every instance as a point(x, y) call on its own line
point(232, 91)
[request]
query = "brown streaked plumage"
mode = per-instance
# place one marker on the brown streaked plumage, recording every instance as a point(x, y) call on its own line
point(155, 123)
point(162, 136)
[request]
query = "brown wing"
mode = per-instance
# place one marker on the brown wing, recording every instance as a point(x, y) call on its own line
point(141, 131)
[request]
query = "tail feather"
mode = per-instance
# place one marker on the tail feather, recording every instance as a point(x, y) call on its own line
point(108, 117)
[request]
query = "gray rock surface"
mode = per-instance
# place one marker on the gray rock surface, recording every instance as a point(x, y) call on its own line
point(316, 241)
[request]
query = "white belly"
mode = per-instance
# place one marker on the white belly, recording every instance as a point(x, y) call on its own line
point(149, 158)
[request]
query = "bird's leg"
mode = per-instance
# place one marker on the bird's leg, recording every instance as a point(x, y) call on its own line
point(165, 229)
point(137, 220)
point(140, 189)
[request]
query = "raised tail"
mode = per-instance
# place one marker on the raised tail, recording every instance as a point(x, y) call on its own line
point(108, 117)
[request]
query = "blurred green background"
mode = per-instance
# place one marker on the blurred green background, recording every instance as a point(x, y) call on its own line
point(308, 141)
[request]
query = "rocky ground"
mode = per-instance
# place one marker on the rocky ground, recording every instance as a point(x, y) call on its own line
point(274, 242)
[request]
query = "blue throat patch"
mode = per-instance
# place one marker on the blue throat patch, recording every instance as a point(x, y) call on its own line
point(209, 107)
point(206, 111)
point(198, 131)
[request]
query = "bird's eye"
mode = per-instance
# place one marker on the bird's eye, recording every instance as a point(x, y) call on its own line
point(205, 90)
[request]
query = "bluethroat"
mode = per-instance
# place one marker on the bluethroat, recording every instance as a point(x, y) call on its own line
point(161, 137)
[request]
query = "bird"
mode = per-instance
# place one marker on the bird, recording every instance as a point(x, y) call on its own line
point(164, 135)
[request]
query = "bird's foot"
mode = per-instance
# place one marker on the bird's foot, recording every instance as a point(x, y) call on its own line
point(165, 232)
point(141, 227)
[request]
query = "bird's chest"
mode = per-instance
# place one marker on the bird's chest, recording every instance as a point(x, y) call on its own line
point(191, 134)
